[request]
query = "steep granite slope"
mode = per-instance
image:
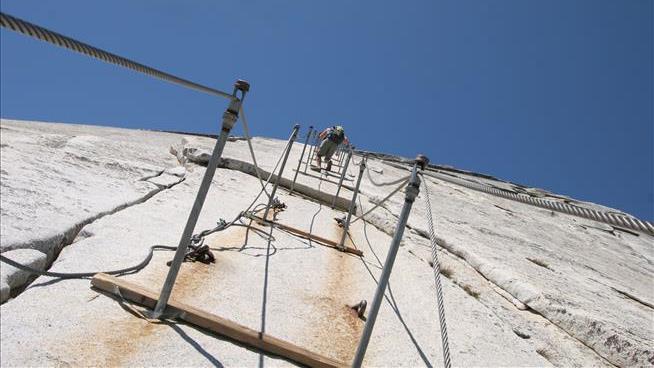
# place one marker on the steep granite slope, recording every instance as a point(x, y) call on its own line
point(524, 286)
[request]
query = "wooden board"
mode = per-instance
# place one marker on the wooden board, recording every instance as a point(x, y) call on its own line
point(212, 322)
point(323, 241)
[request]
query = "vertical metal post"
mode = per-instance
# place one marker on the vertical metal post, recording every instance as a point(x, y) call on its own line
point(353, 203)
point(296, 128)
point(340, 181)
point(412, 190)
point(230, 116)
point(299, 162)
point(312, 150)
point(346, 150)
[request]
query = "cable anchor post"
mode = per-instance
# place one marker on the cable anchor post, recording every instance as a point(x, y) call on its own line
point(229, 118)
point(312, 150)
point(299, 162)
point(412, 191)
point(291, 139)
point(343, 172)
point(353, 203)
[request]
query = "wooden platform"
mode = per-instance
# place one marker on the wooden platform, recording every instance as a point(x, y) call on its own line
point(212, 322)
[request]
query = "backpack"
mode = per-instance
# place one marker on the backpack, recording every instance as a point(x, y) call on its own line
point(336, 136)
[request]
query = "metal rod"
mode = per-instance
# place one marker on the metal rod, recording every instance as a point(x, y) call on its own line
point(312, 150)
point(296, 128)
point(347, 151)
point(340, 181)
point(353, 203)
point(229, 119)
point(412, 190)
point(299, 162)
point(341, 153)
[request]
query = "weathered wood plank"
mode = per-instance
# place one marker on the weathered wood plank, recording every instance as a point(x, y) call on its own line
point(323, 241)
point(213, 323)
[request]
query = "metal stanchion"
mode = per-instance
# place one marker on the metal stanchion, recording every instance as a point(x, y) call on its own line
point(353, 203)
point(229, 119)
point(347, 152)
point(340, 181)
point(296, 128)
point(412, 190)
point(312, 150)
point(299, 162)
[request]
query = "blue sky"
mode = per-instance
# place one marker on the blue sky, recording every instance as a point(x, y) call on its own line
point(553, 94)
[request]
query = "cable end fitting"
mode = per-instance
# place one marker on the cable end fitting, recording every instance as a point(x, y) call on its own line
point(241, 85)
point(422, 161)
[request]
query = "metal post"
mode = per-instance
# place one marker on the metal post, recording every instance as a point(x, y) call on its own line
point(299, 162)
point(230, 116)
point(353, 203)
point(312, 150)
point(340, 181)
point(342, 152)
point(347, 151)
point(412, 190)
point(296, 128)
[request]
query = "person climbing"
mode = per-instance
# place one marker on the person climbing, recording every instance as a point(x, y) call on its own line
point(331, 137)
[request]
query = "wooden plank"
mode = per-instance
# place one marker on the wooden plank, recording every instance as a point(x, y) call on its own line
point(213, 323)
point(323, 241)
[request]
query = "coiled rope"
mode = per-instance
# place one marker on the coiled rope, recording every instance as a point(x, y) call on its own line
point(437, 278)
point(43, 34)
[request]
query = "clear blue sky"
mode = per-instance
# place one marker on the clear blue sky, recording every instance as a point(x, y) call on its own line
point(553, 94)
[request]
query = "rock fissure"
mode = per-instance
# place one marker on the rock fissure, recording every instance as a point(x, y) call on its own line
point(15, 281)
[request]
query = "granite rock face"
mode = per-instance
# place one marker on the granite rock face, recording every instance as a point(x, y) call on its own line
point(523, 286)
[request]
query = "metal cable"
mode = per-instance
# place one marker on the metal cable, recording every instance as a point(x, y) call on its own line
point(400, 180)
point(80, 275)
point(437, 278)
point(246, 132)
point(606, 217)
point(406, 180)
point(198, 239)
point(32, 30)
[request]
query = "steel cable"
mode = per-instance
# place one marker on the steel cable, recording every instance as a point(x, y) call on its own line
point(402, 184)
point(570, 209)
point(43, 34)
point(198, 239)
point(439, 288)
point(400, 180)
point(246, 132)
point(79, 275)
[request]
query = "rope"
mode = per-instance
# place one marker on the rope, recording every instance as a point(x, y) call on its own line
point(437, 279)
point(32, 30)
point(406, 180)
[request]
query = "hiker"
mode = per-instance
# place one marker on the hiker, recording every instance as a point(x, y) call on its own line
point(331, 138)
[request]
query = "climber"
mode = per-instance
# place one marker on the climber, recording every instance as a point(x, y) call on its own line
point(331, 138)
